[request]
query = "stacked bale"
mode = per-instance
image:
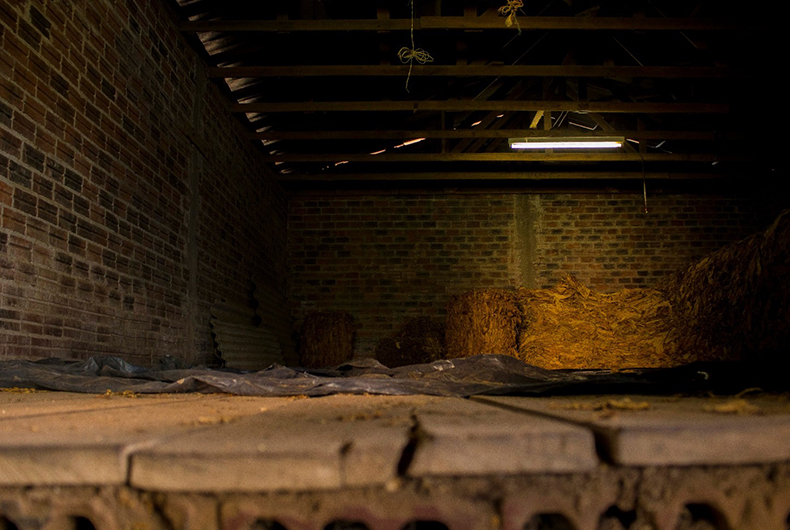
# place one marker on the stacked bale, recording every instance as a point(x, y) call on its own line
point(571, 326)
point(420, 341)
point(327, 339)
point(482, 322)
point(735, 303)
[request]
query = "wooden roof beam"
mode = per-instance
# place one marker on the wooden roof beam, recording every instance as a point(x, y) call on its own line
point(465, 70)
point(500, 175)
point(504, 157)
point(476, 105)
point(482, 133)
point(472, 23)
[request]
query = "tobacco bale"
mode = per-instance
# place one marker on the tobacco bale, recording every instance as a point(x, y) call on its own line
point(572, 326)
point(420, 341)
point(327, 339)
point(735, 302)
point(482, 322)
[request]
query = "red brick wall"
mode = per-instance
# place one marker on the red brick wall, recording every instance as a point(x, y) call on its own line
point(100, 107)
point(388, 258)
point(609, 242)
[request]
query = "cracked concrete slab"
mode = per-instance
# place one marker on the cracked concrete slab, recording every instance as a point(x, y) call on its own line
point(310, 444)
point(653, 430)
point(463, 437)
point(87, 441)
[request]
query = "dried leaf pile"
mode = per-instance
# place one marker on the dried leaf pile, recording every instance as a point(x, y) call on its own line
point(420, 341)
point(572, 326)
point(327, 339)
point(482, 322)
point(735, 303)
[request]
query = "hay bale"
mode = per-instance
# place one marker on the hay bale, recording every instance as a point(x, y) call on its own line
point(735, 303)
point(420, 341)
point(482, 322)
point(327, 339)
point(572, 326)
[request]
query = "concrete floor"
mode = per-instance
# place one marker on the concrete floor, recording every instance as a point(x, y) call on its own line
point(218, 461)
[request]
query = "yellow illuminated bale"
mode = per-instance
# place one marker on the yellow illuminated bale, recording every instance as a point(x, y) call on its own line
point(482, 322)
point(572, 326)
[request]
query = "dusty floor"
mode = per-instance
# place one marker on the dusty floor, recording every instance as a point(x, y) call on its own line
point(393, 462)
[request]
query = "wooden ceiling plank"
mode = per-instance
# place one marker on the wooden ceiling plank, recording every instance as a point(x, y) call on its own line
point(479, 133)
point(500, 157)
point(467, 70)
point(484, 105)
point(473, 23)
point(496, 175)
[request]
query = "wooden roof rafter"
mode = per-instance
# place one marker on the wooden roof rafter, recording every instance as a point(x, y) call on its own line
point(390, 157)
point(489, 70)
point(469, 23)
point(395, 176)
point(609, 67)
point(480, 105)
point(338, 134)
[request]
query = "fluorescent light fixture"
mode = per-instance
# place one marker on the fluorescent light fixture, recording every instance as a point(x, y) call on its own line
point(558, 142)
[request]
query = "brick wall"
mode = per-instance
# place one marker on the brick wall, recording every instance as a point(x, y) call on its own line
point(388, 258)
point(117, 231)
point(609, 242)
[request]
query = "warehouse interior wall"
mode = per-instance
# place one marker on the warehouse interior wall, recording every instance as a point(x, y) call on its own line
point(131, 201)
point(130, 198)
point(386, 259)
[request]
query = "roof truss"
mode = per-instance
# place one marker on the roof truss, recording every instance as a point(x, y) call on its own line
point(676, 80)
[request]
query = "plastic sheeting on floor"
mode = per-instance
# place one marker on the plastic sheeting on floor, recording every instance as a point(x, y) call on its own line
point(482, 374)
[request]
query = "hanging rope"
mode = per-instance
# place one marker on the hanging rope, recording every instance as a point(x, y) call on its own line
point(409, 55)
point(644, 184)
point(511, 12)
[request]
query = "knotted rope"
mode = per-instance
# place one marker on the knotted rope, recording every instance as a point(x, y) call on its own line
point(511, 12)
point(409, 55)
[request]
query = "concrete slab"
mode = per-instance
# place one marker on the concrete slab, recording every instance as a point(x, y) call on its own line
point(462, 437)
point(311, 444)
point(653, 431)
point(91, 447)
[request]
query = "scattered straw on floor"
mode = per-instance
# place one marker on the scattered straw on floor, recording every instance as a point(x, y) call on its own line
point(733, 406)
point(610, 405)
point(123, 393)
point(16, 390)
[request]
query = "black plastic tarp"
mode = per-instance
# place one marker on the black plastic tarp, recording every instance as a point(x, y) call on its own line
point(482, 374)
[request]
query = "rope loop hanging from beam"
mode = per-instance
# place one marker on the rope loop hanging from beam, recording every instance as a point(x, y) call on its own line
point(409, 55)
point(511, 12)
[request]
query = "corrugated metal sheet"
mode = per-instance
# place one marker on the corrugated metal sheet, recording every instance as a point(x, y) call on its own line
point(240, 341)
